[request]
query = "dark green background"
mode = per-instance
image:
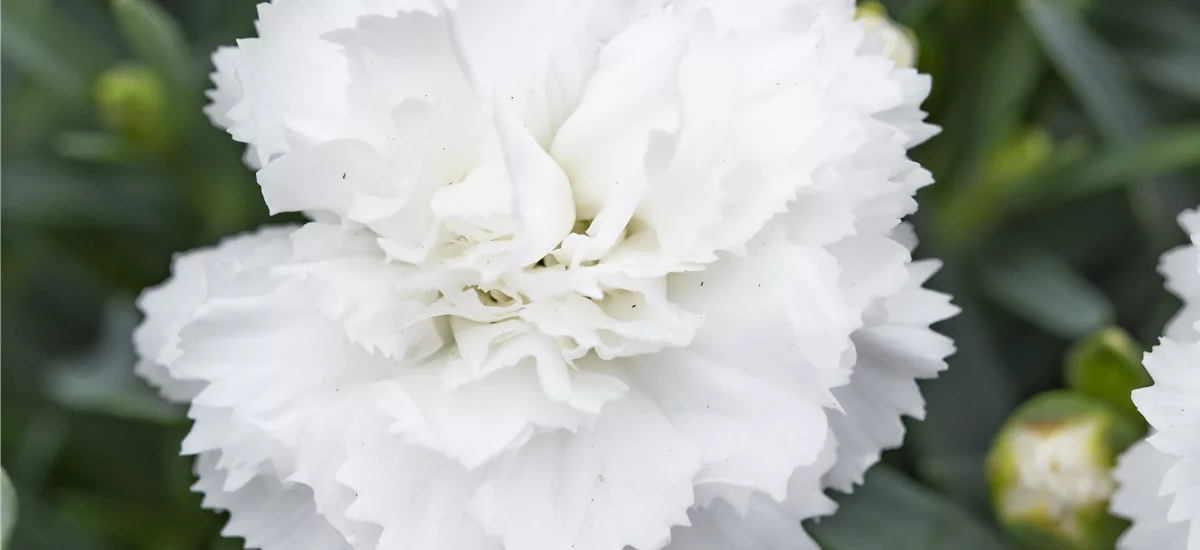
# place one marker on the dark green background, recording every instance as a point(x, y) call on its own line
point(1071, 139)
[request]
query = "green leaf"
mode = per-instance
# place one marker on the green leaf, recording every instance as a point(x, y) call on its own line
point(987, 109)
point(1015, 168)
point(98, 147)
point(966, 404)
point(1097, 77)
point(1172, 24)
point(1108, 366)
point(101, 381)
point(1045, 291)
point(135, 523)
point(226, 544)
point(29, 51)
point(8, 509)
point(1092, 72)
point(1167, 150)
point(1073, 175)
point(41, 193)
point(1070, 173)
point(893, 512)
point(157, 40)
point(1177, 73)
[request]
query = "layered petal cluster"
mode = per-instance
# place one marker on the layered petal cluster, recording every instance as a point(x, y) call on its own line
point(593, 274)
point(1159, 478)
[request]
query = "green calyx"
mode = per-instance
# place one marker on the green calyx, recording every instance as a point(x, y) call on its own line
point(1108, 366)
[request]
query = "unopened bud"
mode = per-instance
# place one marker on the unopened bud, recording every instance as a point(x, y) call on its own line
point(899, 42)
point(1050, 472)
point(132, 102)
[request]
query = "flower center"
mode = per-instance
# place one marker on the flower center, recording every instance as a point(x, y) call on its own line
point(496, 298)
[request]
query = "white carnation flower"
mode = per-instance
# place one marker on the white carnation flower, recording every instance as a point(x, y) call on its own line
point(586, 275)
point(1160, 478)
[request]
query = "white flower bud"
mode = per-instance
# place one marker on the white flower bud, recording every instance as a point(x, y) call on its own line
point(899, 42)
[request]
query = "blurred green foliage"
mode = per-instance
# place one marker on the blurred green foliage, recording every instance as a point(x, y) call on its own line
point(1071, 140)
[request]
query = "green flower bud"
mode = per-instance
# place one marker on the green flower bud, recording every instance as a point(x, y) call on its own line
point(1108, 366)
point(1050, 472)
point(1024, 152)
point(132, 102)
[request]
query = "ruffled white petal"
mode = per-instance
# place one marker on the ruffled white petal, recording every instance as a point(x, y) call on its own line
point(893, 353)
point(742, 519)
point(623, 482)
point(228, 89)
point(1139, 474)
point(268, 513)
point(1181, 267)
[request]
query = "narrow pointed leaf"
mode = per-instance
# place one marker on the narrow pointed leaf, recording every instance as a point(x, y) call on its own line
point(1045, 291)
point(1177, 73)
point(1164, 151)
point(1094, 74)
point(26, 50)
point(1100, 81)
